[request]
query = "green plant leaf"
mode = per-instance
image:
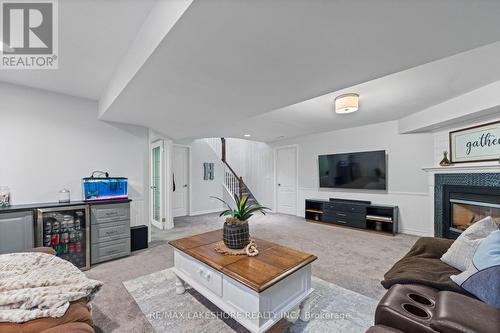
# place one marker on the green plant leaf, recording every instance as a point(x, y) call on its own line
point(243, 202)
point(225, 203)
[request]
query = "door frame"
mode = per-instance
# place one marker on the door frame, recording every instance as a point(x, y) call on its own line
point(275, 185)
point(188, 147)
point(161, 144)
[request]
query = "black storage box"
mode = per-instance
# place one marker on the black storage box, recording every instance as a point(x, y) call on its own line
point(138, 237)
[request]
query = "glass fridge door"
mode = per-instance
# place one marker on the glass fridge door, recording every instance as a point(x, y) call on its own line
point(66, 230)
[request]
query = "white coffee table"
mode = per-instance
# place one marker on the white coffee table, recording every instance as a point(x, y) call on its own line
point(256, 291)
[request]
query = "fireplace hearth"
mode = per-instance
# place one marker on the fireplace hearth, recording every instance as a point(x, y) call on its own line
point(465, 205)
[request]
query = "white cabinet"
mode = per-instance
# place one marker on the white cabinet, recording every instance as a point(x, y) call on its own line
point(16, 232)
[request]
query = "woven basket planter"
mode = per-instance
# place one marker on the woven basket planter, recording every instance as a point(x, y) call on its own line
point(236, 236)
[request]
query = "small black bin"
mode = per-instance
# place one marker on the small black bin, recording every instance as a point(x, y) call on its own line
point(138, 237)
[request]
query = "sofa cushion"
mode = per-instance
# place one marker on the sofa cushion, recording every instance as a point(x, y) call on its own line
point(458, 313)
point(421, 265)
point(78, 312)
point(482, 277)
point(460, 253)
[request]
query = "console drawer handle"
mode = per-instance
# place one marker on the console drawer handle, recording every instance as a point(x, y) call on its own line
point(341, 221)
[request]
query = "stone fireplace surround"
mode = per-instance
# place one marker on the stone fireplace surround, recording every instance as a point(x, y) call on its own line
point(477, 180)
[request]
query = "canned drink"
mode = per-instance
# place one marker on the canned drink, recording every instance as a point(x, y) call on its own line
point(47, 239)
point(64, 238)
point(77, 224)
point(64, 226)
point(78, 236)
point(55, 227)
point(72, 236)
point(78, 247)
point(54, 239)
point(47, 227)
point(71, 248)
point(64, 248)
point(71, 225)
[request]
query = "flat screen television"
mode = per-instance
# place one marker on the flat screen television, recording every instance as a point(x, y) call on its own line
point(364, 170)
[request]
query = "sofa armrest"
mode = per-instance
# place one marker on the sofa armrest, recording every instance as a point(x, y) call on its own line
point(457, 313)
point(47, 250)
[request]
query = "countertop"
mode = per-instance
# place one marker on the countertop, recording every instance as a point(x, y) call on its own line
point(26, 207)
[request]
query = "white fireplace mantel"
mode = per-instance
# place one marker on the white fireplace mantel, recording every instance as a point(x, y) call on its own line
point(464, 168)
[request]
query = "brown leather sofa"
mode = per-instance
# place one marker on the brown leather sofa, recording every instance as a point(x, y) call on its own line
point(77, 318)
point(422, 298)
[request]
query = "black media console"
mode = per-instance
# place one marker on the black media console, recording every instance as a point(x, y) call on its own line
point(353, 213)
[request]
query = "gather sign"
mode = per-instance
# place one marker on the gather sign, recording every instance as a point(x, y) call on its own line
point(475, 144)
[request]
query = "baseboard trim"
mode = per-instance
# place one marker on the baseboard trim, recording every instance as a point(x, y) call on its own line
point(208, 211)
point(363, 192)
point(156, 224)
point(415, 232)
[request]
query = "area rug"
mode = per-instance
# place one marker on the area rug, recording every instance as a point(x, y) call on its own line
point(333, 309)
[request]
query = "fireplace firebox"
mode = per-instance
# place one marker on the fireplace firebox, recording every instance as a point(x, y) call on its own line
point(465, 205)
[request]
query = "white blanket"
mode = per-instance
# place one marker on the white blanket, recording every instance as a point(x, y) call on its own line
point(36, 285)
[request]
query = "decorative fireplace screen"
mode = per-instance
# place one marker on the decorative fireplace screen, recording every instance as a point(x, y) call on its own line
point(464, 213)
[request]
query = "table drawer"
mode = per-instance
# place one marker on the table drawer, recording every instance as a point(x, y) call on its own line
point(109, 231)
point(110, 213)
point(198, 271)
point(110, 250)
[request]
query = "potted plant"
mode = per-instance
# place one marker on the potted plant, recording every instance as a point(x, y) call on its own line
point(236, 234)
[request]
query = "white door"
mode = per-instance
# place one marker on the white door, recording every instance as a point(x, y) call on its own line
point(156, 182)
point(180, 178)
point(286, 180)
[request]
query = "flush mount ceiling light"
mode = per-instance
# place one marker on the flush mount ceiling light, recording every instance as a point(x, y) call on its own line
point(247, 135)
point(346, 103)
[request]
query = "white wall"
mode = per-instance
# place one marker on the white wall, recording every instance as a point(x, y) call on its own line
point(201, 189)
point(51, 141)
point(407, 183)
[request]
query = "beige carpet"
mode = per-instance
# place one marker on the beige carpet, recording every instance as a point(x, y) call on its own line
point(352, 259)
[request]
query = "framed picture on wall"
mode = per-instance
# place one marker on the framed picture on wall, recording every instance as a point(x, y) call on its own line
point(475, 144)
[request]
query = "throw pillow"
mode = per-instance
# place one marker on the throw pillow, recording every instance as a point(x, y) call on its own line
point(460, 253)
point(482, 278)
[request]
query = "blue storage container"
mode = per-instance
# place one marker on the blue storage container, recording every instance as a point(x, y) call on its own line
point(104, 188)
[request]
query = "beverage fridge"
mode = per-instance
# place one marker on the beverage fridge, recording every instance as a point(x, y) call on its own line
point(67, 230)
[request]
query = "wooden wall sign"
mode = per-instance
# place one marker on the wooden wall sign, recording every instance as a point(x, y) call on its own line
point(475, 144)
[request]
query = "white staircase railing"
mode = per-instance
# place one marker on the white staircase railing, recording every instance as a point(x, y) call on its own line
point(231, 182)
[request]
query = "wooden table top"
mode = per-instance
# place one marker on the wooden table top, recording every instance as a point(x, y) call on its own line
point(273, 263)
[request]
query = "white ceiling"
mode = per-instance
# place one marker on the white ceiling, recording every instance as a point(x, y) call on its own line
point(227, 61)
point(389, 98)
point(93, 37)
point(230, 67)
